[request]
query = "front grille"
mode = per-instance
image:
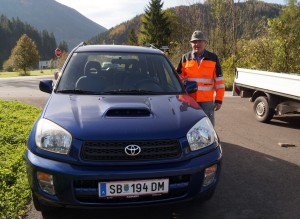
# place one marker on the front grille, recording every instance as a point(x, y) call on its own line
point(87, 191)
point(115, 150)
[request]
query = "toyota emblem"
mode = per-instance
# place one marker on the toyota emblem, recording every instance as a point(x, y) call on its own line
point(132, 150)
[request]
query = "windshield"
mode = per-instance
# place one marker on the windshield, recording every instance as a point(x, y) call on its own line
point(119, 73)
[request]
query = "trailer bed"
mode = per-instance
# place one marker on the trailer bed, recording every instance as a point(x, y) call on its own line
point(278, 83)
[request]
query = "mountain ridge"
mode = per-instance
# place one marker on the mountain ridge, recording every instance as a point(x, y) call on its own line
point(65, 23)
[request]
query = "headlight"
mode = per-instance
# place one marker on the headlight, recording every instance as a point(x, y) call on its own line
point(51, 137)
point(201, 135)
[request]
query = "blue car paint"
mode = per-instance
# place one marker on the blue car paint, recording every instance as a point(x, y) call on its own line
point(85, 118)
point(65, 174)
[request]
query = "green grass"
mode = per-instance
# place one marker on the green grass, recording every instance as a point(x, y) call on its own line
point(32, 73)
point(16, 120)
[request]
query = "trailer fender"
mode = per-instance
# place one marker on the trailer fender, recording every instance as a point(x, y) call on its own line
point(272, 99)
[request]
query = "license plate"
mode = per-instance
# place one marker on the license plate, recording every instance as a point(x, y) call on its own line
point(133, 188)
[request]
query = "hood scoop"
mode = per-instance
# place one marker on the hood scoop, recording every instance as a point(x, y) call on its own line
point(128, 112)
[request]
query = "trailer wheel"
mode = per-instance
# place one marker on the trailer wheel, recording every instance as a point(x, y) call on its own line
point(262, 110)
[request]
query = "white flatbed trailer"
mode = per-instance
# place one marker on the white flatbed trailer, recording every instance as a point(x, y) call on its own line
point(272, 93)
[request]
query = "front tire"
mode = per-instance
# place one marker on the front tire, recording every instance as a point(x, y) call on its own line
point(41, 207)
point(262, 110)
point(204, 197)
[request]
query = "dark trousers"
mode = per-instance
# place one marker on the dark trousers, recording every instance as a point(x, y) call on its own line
point(208, 108)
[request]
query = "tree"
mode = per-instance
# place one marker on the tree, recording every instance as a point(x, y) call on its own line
point(8, 66)
point(24, 55)
point(132, 38)
point(48, 45)
point(222, 28)
point(63, 46)
point(61, 60)
point(278, 49)
point(256, 53)
point(12, 30)
point(155, 27)
point(285, 33)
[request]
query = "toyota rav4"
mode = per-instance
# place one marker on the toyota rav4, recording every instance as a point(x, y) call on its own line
point(125, 135)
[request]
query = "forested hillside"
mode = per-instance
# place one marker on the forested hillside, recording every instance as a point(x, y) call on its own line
point(118, 34)
point(12, 30)
point(251, 18)
point(249, 34)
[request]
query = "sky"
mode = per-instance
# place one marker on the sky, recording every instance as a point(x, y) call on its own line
point(110, 13)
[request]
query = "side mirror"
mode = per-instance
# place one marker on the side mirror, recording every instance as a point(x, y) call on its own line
point(191, 86)
point(46, 86)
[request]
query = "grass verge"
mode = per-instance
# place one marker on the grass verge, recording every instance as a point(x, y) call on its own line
point(32, 73)
point(16, 120)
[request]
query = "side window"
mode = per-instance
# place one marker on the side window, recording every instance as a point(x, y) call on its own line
point(168, 76)
point(169, 81)
point(73, 71)
point(159, 69)
point(168, 73)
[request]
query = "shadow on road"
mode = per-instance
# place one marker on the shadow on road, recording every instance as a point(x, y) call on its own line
point(287, 121)
point(253, 185)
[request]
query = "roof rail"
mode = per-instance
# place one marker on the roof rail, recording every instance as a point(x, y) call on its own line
point(81, 44)
point(150, 45)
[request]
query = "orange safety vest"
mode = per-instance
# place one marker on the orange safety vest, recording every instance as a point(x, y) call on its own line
point(207, 74)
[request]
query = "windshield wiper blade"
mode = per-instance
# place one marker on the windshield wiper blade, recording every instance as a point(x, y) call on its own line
point(131, 92)
point(76, 91)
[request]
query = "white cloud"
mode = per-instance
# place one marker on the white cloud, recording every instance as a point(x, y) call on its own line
point(110, 13)
point(113, 12)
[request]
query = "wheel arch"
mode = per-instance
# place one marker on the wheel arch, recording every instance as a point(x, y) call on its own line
point(272, 99)
point(257, 94)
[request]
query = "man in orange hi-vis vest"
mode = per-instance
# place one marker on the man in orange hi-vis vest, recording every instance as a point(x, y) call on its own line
point(203, 67)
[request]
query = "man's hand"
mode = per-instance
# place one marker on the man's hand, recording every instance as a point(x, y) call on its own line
point(217, 106)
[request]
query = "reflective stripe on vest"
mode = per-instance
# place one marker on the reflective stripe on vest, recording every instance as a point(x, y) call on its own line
point(219, 86)
point(206, 87)
point(219, 79)
point(201, 80)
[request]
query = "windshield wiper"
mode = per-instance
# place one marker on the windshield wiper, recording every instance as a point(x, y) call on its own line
point(76, 91)
point(135, 92)
point(128, 92)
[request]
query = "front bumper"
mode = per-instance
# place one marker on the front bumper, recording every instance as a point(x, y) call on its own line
point(77, 186)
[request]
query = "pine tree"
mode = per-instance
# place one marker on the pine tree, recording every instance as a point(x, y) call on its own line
point(24, 55)
point(155, 27)
point(63, 46)
point(132, 38)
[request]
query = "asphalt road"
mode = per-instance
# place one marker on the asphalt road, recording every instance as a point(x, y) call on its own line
point(260, 179)
point(24, 89)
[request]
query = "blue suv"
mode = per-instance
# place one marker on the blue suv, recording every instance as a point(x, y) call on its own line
point(120, 129)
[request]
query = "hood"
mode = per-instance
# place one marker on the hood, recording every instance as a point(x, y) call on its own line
point(89, 117)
